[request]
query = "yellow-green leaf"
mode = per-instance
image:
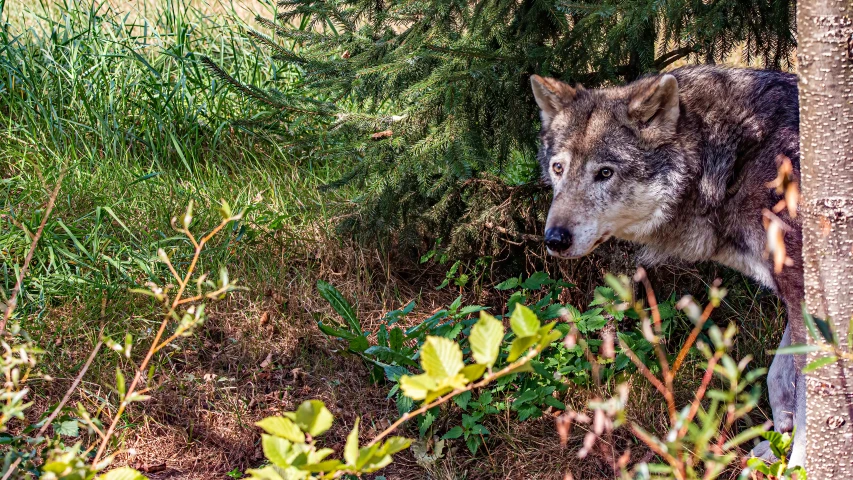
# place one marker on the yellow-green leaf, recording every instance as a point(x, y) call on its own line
point(394, 445)
point(486, 337)
point(123, 473)
point(519, 347)
point(524, 322)
point(365, 455)
point(313, 417)
point(441, 358)
point(376, 463)
point(351, 447)
point(417, 387)
point(276, 449)
point(474, 371)
point(266, 473)
point(327, 466)
point(820, 362)
point(282, 427)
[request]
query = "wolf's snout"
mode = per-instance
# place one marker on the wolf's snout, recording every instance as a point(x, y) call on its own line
point(558, 239)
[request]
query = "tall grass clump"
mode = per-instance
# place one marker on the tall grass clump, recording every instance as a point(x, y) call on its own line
point(118, 100)
point(106, 105)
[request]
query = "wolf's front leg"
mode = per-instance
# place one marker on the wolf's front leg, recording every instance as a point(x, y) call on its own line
point(798, 450)
point(782, 390)
point(781, 387)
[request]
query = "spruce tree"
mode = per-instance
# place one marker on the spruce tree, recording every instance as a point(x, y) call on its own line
point(429, 101)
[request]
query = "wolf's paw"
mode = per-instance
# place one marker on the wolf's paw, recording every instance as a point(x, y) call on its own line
point(763, 451)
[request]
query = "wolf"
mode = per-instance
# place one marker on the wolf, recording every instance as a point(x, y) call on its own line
point(680, 163)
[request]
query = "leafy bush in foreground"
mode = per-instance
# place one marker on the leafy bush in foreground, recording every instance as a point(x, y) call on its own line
point(702, 441)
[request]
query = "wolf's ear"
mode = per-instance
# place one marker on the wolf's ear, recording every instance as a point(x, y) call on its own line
point(551, 96)
point(656, 105)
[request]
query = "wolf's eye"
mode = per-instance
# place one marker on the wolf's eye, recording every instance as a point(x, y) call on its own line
point(604, 174)
point(558, 168)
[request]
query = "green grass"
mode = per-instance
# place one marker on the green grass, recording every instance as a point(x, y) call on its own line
point(117, 101)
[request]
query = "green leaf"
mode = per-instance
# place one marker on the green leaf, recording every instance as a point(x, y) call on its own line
point(480, 430)
point(524, 322)
point(820, 362)
point(359, 344)
point(394, 445)
point(339, 303)
point(453, 433)
point(441, 358)
point(462, 399)
point(351, 447)
point(508, 284)
point(396, 339)
point(282, 427)
point(68, 428)
point(797, 349)
point(322, 467)
point(276, 449)
point(417, 387)
point(758, 465)
point(335, 332)
point(123, 473)
point(120, 383)
point(825, 330)
point(535, 281)
point(313, 417)
point(519, 347)
point(485, 340)
point(474, 371)
point(267, 473)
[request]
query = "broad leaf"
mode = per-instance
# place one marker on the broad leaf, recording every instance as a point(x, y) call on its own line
point(485, 340)
point(508, 284)
point(123, 473)
point(68, 428)
point(394, 445)
point(524, 322)
point(322, 467)
point(351, 447)
point(453, 433)
point(339, 303)
point(417, 387)
point(441, 358)
point(276, 449)
point(519, 347)
point(474, 371)
point(282, 427)
point(313, 417)
point(535, 281)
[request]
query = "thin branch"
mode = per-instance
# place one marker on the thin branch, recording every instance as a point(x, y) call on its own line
point(74, 384)
point(10, 307)
point(691, 339)
point(156, 342)
point(471, 386)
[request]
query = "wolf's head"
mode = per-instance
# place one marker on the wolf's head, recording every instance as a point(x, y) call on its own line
point(610, 156)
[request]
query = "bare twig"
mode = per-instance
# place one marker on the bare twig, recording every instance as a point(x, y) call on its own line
point(691, 339)
point(73, 386)
point(10, 307)
point(155, 344)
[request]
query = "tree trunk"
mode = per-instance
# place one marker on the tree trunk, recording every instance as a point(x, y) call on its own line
point(825, 54)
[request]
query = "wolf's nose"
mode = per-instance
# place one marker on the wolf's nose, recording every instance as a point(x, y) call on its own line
point(558, 239)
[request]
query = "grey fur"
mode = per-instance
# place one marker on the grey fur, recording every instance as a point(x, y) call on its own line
point(690, 155)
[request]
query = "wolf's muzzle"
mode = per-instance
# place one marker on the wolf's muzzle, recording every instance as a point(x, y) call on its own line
point(558, 239)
